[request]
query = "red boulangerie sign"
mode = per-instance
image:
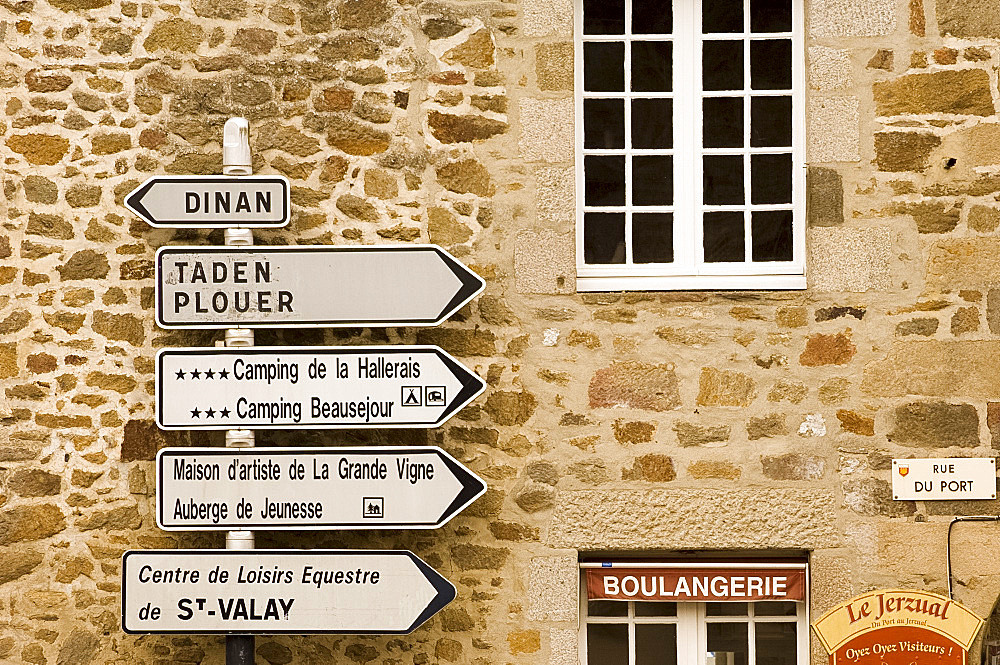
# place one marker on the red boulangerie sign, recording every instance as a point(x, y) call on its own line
point(696, 584)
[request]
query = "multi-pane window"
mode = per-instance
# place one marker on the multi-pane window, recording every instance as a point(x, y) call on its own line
point(689, 144)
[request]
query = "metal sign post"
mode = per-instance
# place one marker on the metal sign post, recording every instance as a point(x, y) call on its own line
point(310, 488)
point(236, 162)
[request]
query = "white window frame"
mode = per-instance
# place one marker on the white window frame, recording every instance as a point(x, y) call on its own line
point(691, 619)
point(688, 272)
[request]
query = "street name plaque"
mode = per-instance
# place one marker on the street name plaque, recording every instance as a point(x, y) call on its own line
point(310, 488)
point(310, 387)
point(311, 286)
point(279, 591)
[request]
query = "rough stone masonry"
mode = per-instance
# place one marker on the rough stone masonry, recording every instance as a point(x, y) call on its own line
point(712, 420)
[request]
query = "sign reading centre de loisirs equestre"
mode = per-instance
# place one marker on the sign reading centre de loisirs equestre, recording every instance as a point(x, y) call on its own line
point(310, 488)
point(196, 201)
point(898, 627)
point(257, 287)
point(314, 387)
point(279, 591)
point(942, 479)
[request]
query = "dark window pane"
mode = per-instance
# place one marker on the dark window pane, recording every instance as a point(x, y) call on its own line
point(774, 608)
point(653, 123)
point(728, 643)
point(654, 609)
point(776, 643)
point(653, 242)
point(770, 15)
point(722, 65)
point(722, 125)
point(608, 608)
point(652, 17)
point(723, 241)
point(655, 644)
point(771, 179)
point(770, 122)
point(771, 64)
point(604, 242)
point(604, 67)
point(721, 16)
point(607, 644)
point(605, 180)
point(603, 123)
point(604, 17)
point(723, 179)
point(652, 69)
point(652, 180)
point(771, 235)
point(728, 609)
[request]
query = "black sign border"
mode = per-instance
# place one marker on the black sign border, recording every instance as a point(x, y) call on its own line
point(133, 202)
point(446, 591)
point(463, 500)
point(472, 286)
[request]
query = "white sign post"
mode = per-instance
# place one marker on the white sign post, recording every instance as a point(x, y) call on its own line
point(257, 287)
point(279, 591)
point(944, 478)
point(310, 488)
point(212, 201)
point(315, 387)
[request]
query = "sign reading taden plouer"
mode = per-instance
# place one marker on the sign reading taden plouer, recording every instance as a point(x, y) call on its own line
point(279, 591)
point(898, 627)
point(220, 287)
point(316, 387)
point(212, 201)
point(311, 488)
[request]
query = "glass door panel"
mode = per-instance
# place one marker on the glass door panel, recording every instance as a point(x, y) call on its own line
point(656, 644)
point(727, 644)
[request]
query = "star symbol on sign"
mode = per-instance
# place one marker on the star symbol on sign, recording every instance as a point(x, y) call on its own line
point(210, 374)
point(210, 413)
point(223, 373)
point(224, 413)
point(195, 413)
point(195, 374)
point(180, 374)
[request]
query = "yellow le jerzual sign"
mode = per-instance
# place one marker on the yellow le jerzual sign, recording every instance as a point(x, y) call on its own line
point(897, 609)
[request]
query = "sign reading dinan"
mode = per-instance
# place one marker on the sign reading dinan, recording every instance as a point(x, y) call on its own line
point(696, 584)
point(313, 387)
point(310, 488)
point(220, 287)
point(212, 201)
point(279, 591)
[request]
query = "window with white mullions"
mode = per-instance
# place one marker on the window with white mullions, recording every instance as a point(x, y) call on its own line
point(690, 164)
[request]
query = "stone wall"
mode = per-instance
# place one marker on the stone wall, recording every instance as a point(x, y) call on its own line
point(650, 421)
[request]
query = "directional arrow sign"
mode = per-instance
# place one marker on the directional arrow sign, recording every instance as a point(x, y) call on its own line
point(258, 287)
point(279, 591)
point(315, 387)
point(212, 201)
point(310, 488)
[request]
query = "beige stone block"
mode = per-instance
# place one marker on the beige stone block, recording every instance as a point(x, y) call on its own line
point(847, 259)
point(694, 518)
point(555, 198)
point(829, 68)
point(969, 263)
point(831, 579)
point(546, 130)
point(553, 588)
point(564, 646)
point(545, 262)
point(850, 18)
point(547, 17)
point(935, 368)
point(834, 130)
